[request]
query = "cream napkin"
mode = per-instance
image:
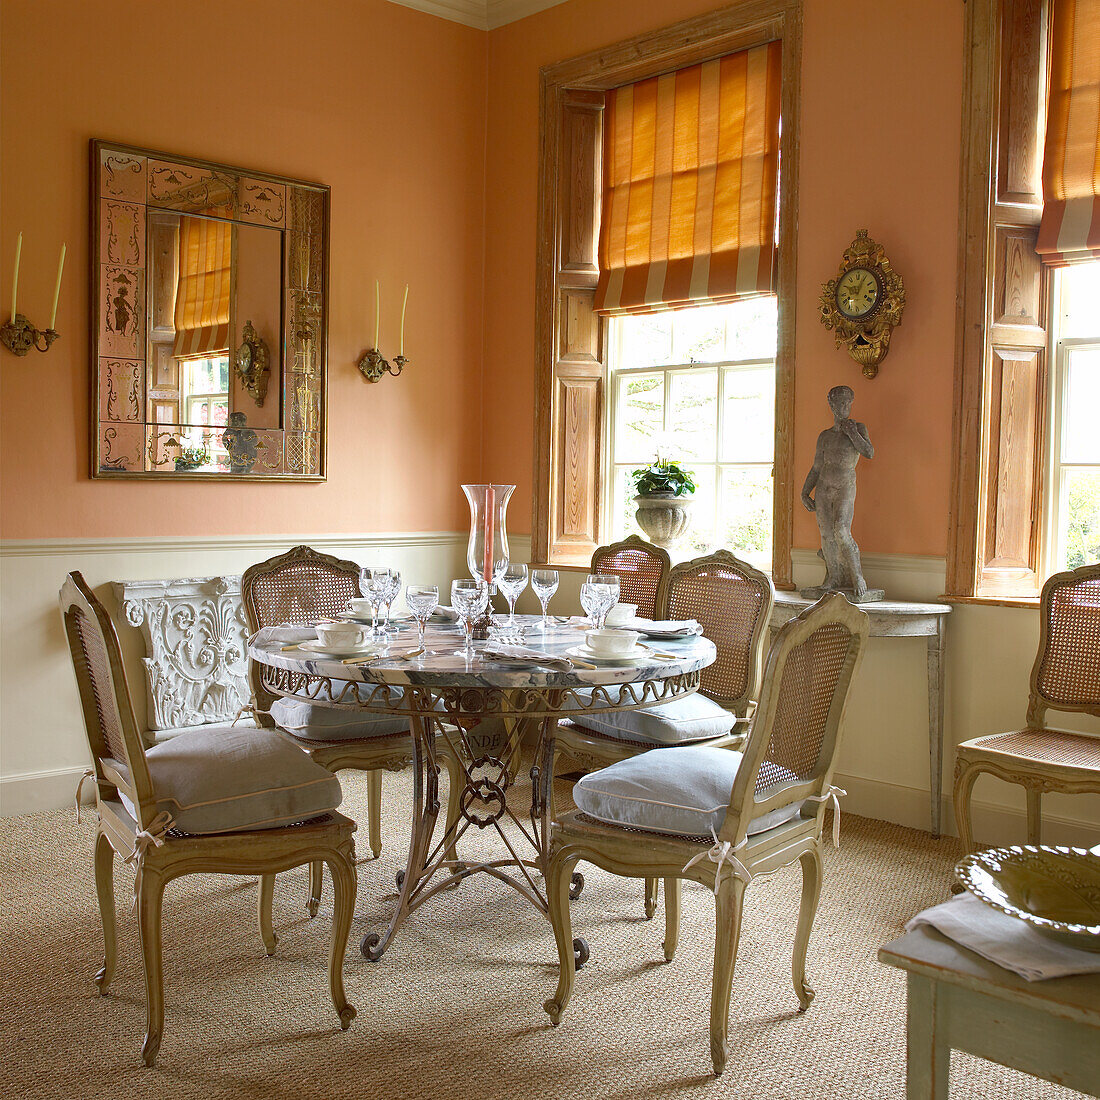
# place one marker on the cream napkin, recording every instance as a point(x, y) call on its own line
point(445, 614)
point(689, 628)
point(527, 656)
point(1006, 941)
point(286, 633)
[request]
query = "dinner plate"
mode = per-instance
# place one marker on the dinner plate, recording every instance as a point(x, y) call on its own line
point(344, 650)
point(636, 654)
point(365, 620)
point(653, 632)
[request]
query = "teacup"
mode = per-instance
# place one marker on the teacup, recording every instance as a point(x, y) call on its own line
point(359, 606)
point(612, 643)
point(621, 613)
point(339, 634)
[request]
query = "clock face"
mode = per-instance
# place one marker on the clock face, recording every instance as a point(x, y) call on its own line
point(857, 292)
point(244, 357)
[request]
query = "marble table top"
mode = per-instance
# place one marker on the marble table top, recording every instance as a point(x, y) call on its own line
point(440, 667)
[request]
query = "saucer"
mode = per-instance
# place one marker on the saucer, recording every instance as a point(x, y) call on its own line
point(637, 653)
point(354, 649)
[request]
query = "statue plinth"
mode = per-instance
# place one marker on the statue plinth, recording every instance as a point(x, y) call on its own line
point(872, 595)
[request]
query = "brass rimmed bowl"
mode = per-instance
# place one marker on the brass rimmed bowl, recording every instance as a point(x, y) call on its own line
point(1054, 890)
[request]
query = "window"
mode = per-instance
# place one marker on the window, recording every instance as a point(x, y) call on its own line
point(204, 403)
point(698, 385)
point(1074, 497)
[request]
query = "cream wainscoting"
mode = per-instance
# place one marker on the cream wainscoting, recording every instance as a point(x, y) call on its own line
point(42, 745)
point(884, 760)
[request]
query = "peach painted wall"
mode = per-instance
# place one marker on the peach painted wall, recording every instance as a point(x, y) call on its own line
point(881, 95)
point(384, 104)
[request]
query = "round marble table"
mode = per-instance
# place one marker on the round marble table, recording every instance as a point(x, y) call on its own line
point(479, 713)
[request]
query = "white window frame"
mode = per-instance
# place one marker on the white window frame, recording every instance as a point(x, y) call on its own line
point(611, 468)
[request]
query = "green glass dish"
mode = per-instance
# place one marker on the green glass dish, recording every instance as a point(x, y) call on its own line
point(1055, 890)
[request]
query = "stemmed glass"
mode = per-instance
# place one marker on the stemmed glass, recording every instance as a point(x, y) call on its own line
point(604, 593)
point(422, 599)
point(377, 584)
point(469, 598)
point(393, 589)
point(544, 583)
point(512, 580)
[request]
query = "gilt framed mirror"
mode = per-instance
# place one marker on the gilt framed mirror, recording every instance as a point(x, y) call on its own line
point(209, 320)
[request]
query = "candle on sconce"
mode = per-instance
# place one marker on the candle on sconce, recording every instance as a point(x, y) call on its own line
point(15, 277)
point(57, 285)
point(404, 304)
point(377, 308)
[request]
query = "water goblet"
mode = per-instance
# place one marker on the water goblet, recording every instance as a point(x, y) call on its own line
point(607, 594)
point(544, 583)
point(590, 601)
point(512, 581)
point(469, 598)
point(378, 584)
point(422, 599)
point(392, 592)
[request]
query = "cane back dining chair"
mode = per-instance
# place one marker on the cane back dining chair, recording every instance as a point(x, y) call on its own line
point(719, 816)
point(218, 800)
point(1065, 677)
point(732, 602)
point(641, 568)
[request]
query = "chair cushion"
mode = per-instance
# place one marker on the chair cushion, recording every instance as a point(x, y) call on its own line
point(688, 718)
point(683, 791)
point(316, 722)
point(226, 779)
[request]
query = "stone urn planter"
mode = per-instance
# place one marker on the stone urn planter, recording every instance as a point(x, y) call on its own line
point(664, 517)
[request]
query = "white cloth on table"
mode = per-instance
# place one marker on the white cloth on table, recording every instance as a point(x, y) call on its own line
point(689, 628)
point(523, 655)
point(287, 633)
point(445, 614)
point(1007, 941)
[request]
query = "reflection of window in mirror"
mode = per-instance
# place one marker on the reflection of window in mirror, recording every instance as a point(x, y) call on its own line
point(204, 402)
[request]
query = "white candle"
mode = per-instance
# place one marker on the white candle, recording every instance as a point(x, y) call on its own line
point(15, 277)
point(401, 349)
point(377, 308)
point(57, 285)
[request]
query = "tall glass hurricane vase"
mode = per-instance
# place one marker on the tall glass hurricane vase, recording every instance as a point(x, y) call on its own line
point(487, 550)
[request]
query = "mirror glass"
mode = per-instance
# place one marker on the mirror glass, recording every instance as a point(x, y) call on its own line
point(209, 286)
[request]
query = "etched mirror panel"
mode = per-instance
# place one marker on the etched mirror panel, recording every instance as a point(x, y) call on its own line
point(210, 292)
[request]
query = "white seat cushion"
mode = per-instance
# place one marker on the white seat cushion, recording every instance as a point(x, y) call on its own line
point(226, 779)
point(689, 718)
point(683, 791)
point(317, 722)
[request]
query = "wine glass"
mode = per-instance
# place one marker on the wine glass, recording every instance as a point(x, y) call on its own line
point(422, 599)
point(393, 589)
point(469, 598)
point(544, 583)
point(512, 580)
point(590, 601)
point(606, 586)
point(378, 584)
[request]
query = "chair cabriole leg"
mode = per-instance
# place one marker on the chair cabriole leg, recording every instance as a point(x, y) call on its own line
point(672, 917)
point(1034, 816)
point(727, 905)
point(344, 882)
point(374, 812)
point(150, 894)
point(557, 894)
point(807, 911)
point(264, 902)
point(105, 891)
point(316, 884)
point(650, 897)
point(965, 776)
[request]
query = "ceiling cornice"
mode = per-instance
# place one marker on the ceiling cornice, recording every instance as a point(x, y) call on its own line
point(485, 15)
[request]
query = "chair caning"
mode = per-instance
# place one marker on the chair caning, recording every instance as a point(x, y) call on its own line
point(1071, 750)
point(301, 592)
point(728, 605)
point(806, 696)
point(640, 571)
point(1069, 670)
point(97, 668)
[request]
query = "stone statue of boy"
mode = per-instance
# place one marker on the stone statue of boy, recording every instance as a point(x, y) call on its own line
point(832, 480)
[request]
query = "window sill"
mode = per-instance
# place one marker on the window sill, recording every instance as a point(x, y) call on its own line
point(1029, 602)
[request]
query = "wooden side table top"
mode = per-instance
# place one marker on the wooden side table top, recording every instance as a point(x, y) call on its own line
point(889, 618)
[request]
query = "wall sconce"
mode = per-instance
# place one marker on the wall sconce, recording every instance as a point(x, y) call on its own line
point(372, 365)
point(18, 335)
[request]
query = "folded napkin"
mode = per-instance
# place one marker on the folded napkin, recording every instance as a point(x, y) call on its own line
point(689, 628)
point(525, 656)
point(445, 614)
point(286, 633)
point(1006, 941)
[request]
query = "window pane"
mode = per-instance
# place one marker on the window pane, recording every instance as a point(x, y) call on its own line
point(623, 507)
point(748, 434)
point(1081, 517)
point(693, 425)
point(699, 335)
point(646, 340)
point(1080, 440)
point(747, 511)
point(701, 536)
point(640, 417)
point(752, 328)
point(1080, 286)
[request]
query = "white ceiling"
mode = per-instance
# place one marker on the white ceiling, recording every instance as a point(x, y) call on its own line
point(483, 14)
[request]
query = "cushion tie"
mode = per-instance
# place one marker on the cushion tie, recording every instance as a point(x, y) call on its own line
point(88, 773)
point(831, 795)
point(150, 837)
point(723, 852)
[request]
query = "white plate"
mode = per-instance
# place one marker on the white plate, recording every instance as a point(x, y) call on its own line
point(665, 635)
point(344, 650)
point(585, 654)
point(365, 620)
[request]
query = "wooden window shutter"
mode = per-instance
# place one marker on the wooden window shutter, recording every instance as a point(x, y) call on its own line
point(572, 466)
point(995, 536)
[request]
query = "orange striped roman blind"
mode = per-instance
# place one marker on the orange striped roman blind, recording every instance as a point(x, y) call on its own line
point(1070, 228)
point(690, 181)
point(202, 296)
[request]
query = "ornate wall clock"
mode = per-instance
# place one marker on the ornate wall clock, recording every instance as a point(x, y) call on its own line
point(252, 367)
point(863, 303)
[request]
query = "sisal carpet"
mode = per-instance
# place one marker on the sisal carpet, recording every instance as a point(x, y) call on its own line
point(454, 1009)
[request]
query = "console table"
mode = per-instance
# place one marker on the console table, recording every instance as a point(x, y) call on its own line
point(895, 619)
point(959, 1001)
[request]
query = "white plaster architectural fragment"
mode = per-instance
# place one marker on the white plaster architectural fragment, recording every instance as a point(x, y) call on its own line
point(196, 662)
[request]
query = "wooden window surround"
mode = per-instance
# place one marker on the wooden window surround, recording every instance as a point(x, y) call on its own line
point(570, 338)
point(996, 537)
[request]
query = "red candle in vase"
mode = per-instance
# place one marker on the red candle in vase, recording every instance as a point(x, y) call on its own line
point(490, 505)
